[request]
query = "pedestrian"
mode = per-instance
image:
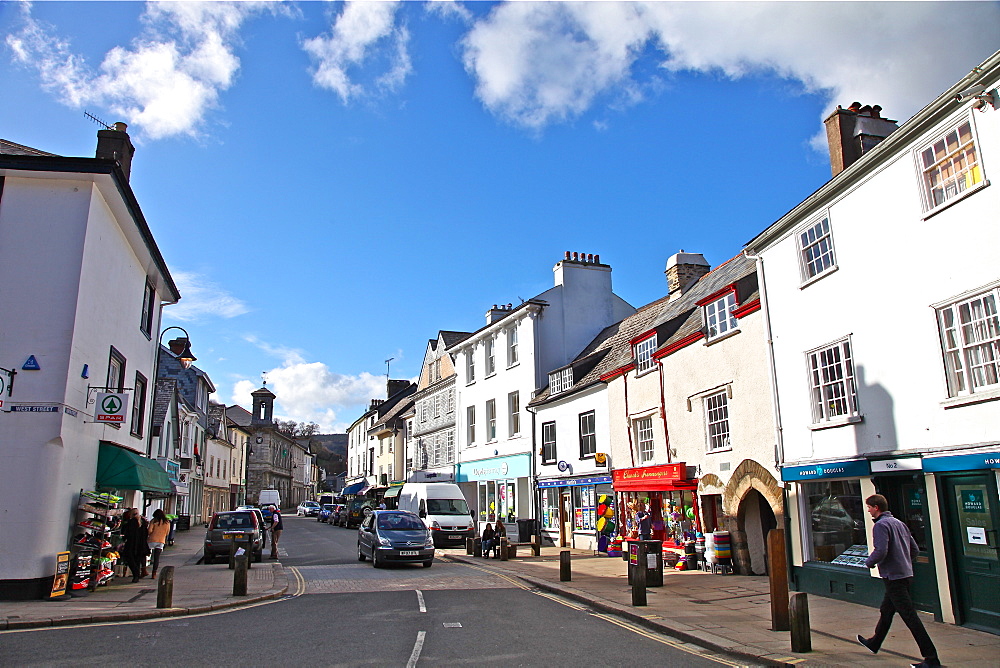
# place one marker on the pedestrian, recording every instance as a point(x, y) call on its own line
point(157, 533)
point(276, 528)
point(893, 550)
point(645, 522)
point(134, 540)
point(488, 539)
point(500, 532)
point(143, 544)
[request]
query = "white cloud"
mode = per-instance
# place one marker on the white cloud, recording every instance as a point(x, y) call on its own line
point(449, 9)
point(539, 63)
point(164, 82)
point(202, 299)
point(363, 31)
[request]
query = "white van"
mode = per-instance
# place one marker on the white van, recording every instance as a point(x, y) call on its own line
point(269, 497)
point(443, 509)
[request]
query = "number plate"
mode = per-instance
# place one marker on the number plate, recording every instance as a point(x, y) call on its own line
point(228, 536)
point(409, 553)
point(456, 537)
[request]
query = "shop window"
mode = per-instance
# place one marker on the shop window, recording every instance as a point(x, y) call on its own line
point(606, 521)
point(550, 508)
point(483, 503)
point(836, 525)
point(584, 508)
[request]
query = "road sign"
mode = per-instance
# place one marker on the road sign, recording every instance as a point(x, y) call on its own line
point(111, 407)
point(31, 364)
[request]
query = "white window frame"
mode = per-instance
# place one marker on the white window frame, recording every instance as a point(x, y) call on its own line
point(548, 442)
point(832, 384)
point(560, 381)
point(940, 169)
point(512, 346)
point(470, 366)
point(817, 254)
point(489, 358)
point(644, 354)
point(470, 425)
point(644, 440)
point(717, 421)
point(588, 434)
point(719, 318)
point(514, 413)
point(970, 343)
point(491, 420)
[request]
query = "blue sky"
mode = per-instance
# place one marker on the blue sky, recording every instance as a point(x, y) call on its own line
point(331, 183)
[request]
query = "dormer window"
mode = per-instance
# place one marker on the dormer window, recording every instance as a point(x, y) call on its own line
point(719, 318)
point(560, 381)
point(644, 353)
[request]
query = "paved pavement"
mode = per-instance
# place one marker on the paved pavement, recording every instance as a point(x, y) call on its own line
point(198, 588)
point(732, 613)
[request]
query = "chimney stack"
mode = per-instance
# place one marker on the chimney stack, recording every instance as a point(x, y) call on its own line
point(684, 269)
point(497, 312)
point(115, 144)
point(394, 386)
point(854, 131)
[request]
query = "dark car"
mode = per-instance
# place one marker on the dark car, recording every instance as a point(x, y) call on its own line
point(395, 536)
point(325, 513)
point(337, 514)
point(241, 525)
point(356, 511)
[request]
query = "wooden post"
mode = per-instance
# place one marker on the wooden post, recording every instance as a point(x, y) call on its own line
point(503, 548)
point(639, 576)
point(240, 576)
point(778, 577)
point(165, 588)
point(536, 545)
point(565, 570)
point(477, 547)
point(801, 639)
point(470, 546)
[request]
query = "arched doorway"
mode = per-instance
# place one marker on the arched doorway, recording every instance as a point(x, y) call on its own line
point(756, 519)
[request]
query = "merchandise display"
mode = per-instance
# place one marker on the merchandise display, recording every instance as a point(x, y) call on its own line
point(94, 551)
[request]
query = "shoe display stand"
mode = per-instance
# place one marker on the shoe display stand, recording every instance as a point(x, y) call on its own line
point(95, 549)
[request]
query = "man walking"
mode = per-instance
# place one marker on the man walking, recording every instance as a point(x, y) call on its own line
point(276, 528)
point(645, 522)
point(893, 551)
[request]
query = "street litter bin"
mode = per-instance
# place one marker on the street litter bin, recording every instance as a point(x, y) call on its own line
point(526, 528)
point(652, 555)
point(183, 522)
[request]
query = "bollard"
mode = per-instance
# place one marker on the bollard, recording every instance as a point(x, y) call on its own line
point(232, 553)
point(165, 588)
point(778, 577)
point(639, 576)
point(477, 547)
point(799, 612)
point(240, 576)
point(536, 545)
point(565, 574)
point(503, 548)
point(470, 546)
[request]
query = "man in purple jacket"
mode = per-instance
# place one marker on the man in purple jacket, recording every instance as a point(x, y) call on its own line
point(893, 551)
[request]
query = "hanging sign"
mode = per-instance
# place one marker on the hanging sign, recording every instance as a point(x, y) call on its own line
point(601, 459)
point(111, 407)
point(62, 575)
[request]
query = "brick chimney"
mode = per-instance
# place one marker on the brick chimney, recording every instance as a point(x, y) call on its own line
point(394, 386)
point(115, 144)
point(854, 131)
point(684, 269)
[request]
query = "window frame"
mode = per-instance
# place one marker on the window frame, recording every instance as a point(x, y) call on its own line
point(148, 308)
point(588, 439)
point(643, 351)
point(817, 386)
point(139, 405)
point(560, 381)
point(920, 161)
point(723, 304)
point(115, 356)
point(470, 425)
point(512, 351)
point(961, 382)
point(470, 366)
point(514, 413)
point(491, 420)
point(804, 251)
point(548, 451)
point(489, 358)
point(641, 429)
point(717, 415)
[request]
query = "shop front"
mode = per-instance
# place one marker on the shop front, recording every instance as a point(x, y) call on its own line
point(578, 512)
point(670, 496)
point(498, 489)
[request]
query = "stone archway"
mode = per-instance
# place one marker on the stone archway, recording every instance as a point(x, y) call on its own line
point(754, 502)
point(751, 475)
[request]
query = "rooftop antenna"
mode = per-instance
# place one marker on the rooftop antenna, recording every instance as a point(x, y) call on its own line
point(387, 367)
point(97, 120)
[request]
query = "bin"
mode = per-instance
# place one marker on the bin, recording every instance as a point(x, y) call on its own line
point(183, 522)
point(652, 551)
point(526, 528)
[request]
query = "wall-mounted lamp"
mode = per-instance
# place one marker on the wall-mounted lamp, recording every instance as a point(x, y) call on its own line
point(185, 356)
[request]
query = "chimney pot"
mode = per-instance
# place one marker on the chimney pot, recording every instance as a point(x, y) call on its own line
point(576, 256)
point(854, 131)
point(567, 256)
point(114, 144)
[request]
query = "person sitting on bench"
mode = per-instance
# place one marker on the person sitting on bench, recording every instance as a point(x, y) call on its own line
point(488, 540)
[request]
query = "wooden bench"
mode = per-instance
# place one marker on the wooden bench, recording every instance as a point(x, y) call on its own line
point(508, 550)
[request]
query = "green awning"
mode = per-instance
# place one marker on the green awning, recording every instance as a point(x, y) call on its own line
point(393, 491)
point(118, 468)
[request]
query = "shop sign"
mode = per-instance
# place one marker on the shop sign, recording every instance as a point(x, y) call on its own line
point(972, 501)
point(564, 482)
point(891, 465)
point(498, 468)
point(850, 469)
point(62, 575)
point(111, 407)
point(981, 460)
point(601, 459)
point(661, 473)
point(976, 535)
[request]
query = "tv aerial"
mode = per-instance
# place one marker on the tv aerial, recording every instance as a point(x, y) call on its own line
point(97, 120)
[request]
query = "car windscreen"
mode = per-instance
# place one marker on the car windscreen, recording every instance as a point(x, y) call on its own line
point(400, 522)
point(328, 506)
point(241, 521)
point(447, 507)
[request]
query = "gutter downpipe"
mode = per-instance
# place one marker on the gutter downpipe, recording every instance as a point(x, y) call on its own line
point(663, 411)
point(628, 421)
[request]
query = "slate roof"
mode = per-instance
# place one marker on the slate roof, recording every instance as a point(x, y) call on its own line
point(10, 148)
point(402, 401)
point(239, 415)
point(164, 392)
point(673, 321)
point(451, 338)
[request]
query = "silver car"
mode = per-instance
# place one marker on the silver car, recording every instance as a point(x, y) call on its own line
point(395, 536)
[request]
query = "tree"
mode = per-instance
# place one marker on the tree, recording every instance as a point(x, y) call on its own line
point(293, 429)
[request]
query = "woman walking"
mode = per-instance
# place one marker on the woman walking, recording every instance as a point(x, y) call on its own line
point(157, 534)
point(134, 545)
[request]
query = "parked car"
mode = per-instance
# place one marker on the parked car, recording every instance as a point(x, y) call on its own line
point(325, 513)
point(357, 509)
point(308, 509)
point(239, 524)
point(267, 511)
point(260, 519)
point(395, 536)
point(337, 514)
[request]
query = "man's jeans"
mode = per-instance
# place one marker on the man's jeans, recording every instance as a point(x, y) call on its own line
point(897, 600)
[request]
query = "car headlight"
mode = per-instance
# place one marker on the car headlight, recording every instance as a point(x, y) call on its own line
point(435, 525)
point(430, 540)
point(384, 541)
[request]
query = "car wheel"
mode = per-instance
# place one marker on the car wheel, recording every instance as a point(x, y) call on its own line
point(208, 558)
point(258, 556)
point(361, 555)
point(427, 564)
point(376, 562)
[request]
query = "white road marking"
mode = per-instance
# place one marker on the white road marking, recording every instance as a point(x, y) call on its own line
point(453, 625)
point(420, 601)
point(417, 647)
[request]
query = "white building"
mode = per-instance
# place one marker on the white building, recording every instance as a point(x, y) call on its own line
point(881, 289)
point(500, 367)
point(84, 285)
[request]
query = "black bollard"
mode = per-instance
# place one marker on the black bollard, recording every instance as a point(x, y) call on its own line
point(799, 613)
point(240, 576)
point(504, 555)
point(165, 588)
point(565, 572)
point(477, 547)
point(639, 576)
point(232, 553)
point(470, 544)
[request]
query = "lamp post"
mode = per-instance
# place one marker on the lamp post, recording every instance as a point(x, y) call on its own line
point(186, 358)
